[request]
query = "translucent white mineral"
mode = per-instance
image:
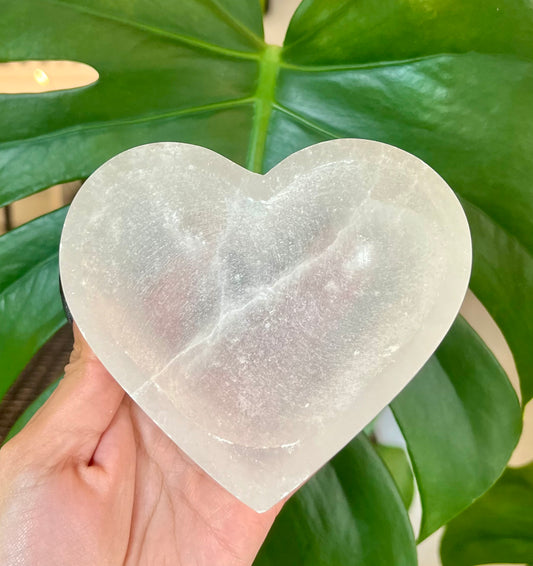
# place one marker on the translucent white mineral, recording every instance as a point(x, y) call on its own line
point(263, 321)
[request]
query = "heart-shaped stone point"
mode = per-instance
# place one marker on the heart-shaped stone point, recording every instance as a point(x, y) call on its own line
point(263, 321)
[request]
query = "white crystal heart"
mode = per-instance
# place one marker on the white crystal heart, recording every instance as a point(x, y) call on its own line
point(263, 321)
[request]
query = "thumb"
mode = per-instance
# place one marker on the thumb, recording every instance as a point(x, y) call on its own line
point(71, 422)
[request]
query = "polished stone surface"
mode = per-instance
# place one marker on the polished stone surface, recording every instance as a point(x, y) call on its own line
point(263, 321)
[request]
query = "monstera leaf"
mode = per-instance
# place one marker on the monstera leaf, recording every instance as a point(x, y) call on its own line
point(447, 80)
point(497, 528)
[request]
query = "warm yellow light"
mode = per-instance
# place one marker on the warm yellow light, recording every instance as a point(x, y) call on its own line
point(40, 76)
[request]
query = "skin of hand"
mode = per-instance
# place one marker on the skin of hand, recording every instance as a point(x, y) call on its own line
point(91, 480)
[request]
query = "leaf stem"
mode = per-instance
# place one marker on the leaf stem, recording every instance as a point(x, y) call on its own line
point(264, 100)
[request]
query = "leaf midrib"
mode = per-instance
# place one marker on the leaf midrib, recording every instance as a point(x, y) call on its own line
point(264, 102)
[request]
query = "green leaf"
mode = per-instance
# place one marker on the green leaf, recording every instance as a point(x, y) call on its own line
point(497, 528)
point(448, 81)
point(30, 306)
point(172, 71)
point(349, 513)
point(398, 465)
point(32, 408)
point(461, 420)
point(502, 279)
point(375, 30)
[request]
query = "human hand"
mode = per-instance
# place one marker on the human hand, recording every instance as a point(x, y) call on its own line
point(91, 480)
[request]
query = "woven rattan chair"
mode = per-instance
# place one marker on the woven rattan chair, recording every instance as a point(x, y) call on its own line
point(44, 368)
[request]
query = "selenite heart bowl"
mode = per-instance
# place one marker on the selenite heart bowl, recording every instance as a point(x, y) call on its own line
point(263, 321)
